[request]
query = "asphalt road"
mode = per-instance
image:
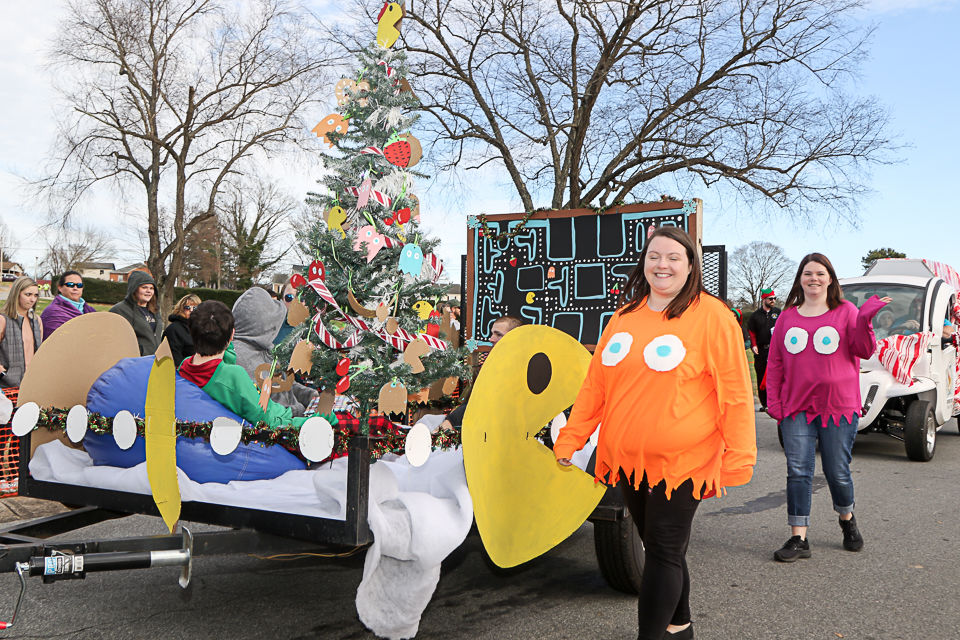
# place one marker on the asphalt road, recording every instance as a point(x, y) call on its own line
point(903, 585)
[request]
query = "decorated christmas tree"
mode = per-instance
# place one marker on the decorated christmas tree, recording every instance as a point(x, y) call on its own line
point(369, 326)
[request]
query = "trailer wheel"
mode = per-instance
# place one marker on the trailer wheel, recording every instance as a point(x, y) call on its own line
point(920, 431)
point(619, 553)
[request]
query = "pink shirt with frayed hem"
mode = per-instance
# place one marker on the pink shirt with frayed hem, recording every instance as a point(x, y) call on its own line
point(814, 362)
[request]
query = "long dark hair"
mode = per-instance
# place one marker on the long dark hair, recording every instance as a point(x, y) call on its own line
point(834, 292)
point(637, 287)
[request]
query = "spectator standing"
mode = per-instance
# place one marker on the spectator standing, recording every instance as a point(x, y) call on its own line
point(257, 317)
point(140, 310)
point(670, 385)
point(760, 327)
point(68, 303)
point(177, 332)
point(813, 381)
point(21, 331)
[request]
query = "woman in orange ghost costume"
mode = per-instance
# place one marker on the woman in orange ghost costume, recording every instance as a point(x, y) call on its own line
point(669, 382)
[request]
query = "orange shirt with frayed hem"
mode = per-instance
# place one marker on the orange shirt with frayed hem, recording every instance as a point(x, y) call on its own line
point(673, 398)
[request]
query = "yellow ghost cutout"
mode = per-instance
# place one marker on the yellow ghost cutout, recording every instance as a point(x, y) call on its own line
point(161, 436)
point(388, 24)
point(524, 502)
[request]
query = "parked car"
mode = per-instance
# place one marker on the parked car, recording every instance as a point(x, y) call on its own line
point(912, 413)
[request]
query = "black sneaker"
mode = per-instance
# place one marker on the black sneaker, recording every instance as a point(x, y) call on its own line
point(685, 634)
point(852, 540)
point(792, 549)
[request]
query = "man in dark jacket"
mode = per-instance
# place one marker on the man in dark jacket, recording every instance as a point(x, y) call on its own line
point(140, 310)
point(760, 327)
point(68, 304)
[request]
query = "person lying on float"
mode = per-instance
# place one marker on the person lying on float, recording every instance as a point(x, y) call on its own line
point(211, 327)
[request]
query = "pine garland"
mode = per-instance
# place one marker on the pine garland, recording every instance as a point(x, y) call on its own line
point(382, 441)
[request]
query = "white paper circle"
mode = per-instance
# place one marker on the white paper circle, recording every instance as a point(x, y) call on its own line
point(25, 419)
point(617, 349)
point(316, 439)
point(664, 353)
point(826, 340)
point(124, 429)
point(77, 423)
point(795, 339)
point(556, 425)
point(418, 445)
point(225, 435)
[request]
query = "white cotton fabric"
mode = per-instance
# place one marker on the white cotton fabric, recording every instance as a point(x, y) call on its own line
point(418, 516)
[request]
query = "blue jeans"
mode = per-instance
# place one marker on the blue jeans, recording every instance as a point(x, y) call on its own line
point(836, 450)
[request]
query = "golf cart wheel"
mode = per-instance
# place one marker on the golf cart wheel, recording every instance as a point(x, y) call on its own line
point(920, 431)
point(619, 553)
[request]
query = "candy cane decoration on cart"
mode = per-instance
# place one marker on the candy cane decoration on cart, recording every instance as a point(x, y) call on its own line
point(398, 340)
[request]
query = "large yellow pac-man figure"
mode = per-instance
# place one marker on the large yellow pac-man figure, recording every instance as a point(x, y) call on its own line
point(524, 502)
point(161, 436)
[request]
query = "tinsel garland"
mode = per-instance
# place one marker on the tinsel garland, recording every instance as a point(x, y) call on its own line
point(382, 440)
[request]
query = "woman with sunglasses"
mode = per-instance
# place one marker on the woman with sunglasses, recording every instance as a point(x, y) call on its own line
point(177, 332)
point(68, 304)
point(21, 331)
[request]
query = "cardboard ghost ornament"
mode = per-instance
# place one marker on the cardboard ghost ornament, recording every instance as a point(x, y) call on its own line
point(411, 259)
point(333, 123)
point(392, 398)
point(317, 271)
point(373, 239)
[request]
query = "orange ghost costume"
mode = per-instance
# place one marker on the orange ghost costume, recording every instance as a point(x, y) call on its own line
point(673, 398)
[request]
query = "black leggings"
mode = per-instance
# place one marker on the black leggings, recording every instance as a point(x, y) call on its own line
point(664, 526)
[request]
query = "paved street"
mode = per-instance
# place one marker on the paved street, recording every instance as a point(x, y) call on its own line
point(904, 585)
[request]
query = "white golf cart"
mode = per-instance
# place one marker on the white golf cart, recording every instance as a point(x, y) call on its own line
point(921, 302)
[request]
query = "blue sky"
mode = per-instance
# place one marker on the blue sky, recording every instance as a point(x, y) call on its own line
point(913, 69)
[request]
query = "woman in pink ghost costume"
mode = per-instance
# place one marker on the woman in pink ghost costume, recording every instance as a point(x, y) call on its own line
point(813, 391)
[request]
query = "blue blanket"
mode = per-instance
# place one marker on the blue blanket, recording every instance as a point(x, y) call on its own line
point(124, 386)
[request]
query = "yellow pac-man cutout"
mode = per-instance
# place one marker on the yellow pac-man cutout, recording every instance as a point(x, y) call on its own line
point(530, 297)
point(524, 502)
point(161, 436)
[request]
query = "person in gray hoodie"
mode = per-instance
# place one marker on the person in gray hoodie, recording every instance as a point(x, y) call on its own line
point(257, 318)
point(140, 310)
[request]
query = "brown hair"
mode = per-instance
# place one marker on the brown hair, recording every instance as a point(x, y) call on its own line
point(10, 308)
point(637, 287)
point(190, 298)
point(834, 292)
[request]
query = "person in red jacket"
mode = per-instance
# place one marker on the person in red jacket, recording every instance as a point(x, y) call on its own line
point(669, 383)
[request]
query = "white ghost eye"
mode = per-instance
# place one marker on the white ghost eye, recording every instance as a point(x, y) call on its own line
point(664, 353)
point(826, 340)
point(617, 349)
point(795, 340)
point(417, 255)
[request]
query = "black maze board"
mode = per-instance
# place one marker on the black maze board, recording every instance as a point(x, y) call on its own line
point(564, 272)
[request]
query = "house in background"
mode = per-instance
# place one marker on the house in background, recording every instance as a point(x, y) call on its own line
point(97, 270)
point(11, 270)
point(123, 275)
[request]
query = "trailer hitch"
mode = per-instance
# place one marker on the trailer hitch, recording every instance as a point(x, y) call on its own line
point(72, 563)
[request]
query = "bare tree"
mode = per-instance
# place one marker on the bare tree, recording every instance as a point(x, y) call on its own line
point(592, 102)
point(253, 227)
point(756, 266)
point(68, 247)
point(7, 244)
point(174, 97)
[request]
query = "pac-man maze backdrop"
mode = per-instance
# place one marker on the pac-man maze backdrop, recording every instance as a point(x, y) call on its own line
point(564, 269)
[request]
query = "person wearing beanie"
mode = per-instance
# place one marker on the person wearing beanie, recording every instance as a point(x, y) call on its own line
point(760, 327)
